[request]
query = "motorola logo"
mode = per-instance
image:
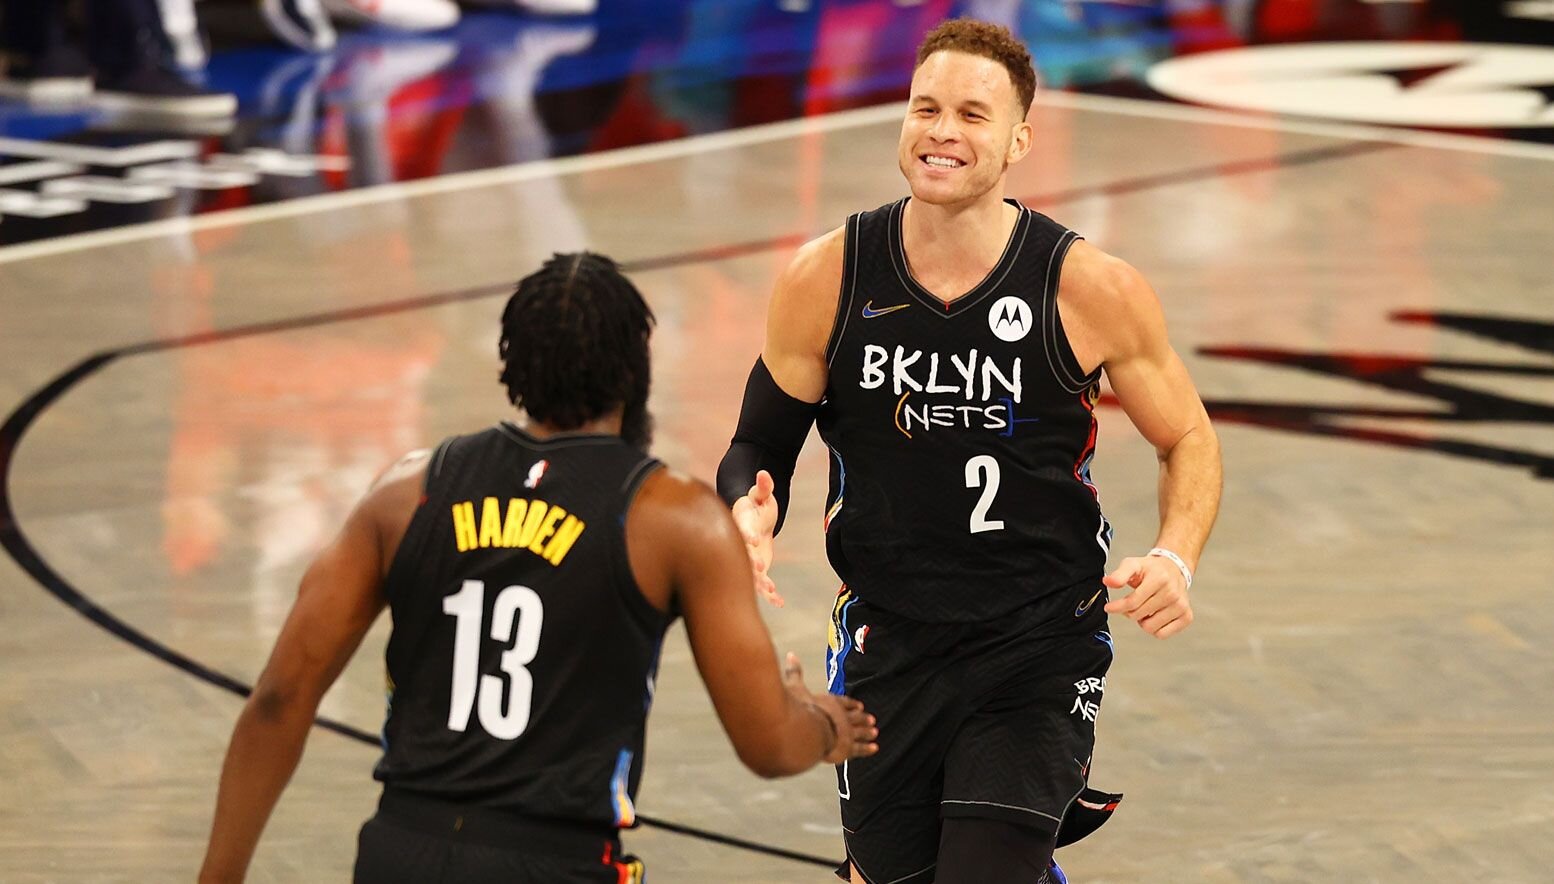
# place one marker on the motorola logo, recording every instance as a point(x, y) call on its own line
point(1009, 318)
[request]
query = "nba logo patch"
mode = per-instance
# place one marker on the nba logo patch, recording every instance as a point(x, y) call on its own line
point(858, 636)
point(536, 473)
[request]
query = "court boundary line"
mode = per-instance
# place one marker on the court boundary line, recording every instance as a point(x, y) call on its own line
point(748, 136)
point(12, 430)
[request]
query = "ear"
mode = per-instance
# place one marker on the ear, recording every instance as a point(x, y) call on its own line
point(1020, 144)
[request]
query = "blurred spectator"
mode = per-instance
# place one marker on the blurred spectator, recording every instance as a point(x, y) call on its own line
point(300, 23)
point(401, 15)
point(131, 64)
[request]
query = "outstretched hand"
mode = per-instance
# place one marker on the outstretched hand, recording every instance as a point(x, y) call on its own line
point(756, 516)
point(1157, 600)
point(852, 727)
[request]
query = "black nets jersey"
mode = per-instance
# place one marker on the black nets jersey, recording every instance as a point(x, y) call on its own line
point(961, 433)
point(522, 657)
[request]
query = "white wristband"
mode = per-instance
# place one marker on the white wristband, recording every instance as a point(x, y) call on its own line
point(1175, 560)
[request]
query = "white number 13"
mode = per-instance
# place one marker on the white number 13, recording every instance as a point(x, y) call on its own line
point(982, 472)
point(467, 605)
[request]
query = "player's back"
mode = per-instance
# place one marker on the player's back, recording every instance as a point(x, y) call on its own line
point(522, 657)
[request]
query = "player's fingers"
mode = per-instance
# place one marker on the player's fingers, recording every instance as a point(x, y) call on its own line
point(792, 669)
point(1156, 598)
point(768, 589)
point(1130, 602)
point(1168, 628)
point(1127, 573)
point(761, 491)
point(862, 724)
point(1175, 626)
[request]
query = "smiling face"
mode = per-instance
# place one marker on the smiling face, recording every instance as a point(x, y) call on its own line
point(964, 126)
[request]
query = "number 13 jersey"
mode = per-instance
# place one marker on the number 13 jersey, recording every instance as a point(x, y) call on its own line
point(522, 658)
point(960, 433)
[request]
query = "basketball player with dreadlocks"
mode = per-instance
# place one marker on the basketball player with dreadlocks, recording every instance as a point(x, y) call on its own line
point(951, 347)
point(531, 570)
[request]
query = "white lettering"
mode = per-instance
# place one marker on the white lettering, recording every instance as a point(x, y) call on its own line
point(102, 189)
point(874, 356)
point(269, 161)
point(193, 176)
point(1086, 709)
point(31, 205)
point(1091, 685)
point(968, 370)
point(933, 377)
point(990, 370)
point(898, 370)
point(995, 418)
point(155, 171)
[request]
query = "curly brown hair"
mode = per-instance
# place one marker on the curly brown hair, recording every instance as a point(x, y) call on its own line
point(989, 41)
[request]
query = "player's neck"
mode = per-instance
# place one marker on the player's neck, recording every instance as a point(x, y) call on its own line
point(607, 425)
point(970, 235)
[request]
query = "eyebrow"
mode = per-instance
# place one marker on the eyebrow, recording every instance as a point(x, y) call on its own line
point(981, 107)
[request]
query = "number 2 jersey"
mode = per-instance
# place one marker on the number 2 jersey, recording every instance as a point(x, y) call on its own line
point(961, 433)
point(522, 657)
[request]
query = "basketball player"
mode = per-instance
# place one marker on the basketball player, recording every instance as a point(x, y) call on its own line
point(951, 347)
point(531, 570)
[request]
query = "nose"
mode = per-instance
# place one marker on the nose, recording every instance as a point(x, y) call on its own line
point(944, 128)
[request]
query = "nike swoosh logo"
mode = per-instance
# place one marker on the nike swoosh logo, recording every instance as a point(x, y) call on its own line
point(869, 312)
point(1085, 605)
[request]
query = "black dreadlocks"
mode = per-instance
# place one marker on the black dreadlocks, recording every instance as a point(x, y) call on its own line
point(575, 345)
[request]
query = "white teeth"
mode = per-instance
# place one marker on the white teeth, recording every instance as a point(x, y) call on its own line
point(943, 162)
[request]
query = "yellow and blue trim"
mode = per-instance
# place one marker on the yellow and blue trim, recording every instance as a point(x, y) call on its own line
point(840, 642)
point(620, 791)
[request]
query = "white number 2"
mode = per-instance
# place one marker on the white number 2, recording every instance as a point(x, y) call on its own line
point(982, 472)
point(518, 603)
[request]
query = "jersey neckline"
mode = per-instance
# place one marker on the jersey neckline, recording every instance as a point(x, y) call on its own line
point(519, 434)
point(977, 292)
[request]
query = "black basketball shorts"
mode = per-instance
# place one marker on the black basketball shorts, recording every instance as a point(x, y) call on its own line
point(993, 720)
point(417, 841)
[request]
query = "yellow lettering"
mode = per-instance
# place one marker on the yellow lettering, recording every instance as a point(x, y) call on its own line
point(464, 526)
point(531, 524)
point(514, 526)
point(566, 535)
point(491, 523)
point(537, 545)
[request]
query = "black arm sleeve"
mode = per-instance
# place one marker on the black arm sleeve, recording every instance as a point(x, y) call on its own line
point(772, 428)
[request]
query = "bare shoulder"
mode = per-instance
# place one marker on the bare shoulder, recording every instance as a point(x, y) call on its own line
point(1094, 279)
point(801, 314)
point(807, 291)
point(1108, 307)
point(403, 479)
point(817, 262)
point(681, 510)
point(389, 505)
point(410, 467)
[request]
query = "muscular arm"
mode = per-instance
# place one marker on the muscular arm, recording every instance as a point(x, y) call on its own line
point(681, 539)
point(1116, 319)
point(800, 315)
point(781, 397)
point(339, 598)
